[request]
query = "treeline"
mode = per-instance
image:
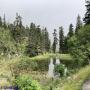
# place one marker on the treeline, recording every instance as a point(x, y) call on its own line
point(63, 40)
point(33, 40)
point(30, 40)
point(77, 41)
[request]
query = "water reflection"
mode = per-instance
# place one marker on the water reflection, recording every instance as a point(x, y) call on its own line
point(57, 61)
point(51, 72)
point(51, 69)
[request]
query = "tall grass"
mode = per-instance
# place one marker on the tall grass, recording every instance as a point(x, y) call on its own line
point(49, 55)
point(76, 81)
point(6, 64)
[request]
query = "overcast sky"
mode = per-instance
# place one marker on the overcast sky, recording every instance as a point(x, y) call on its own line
point(49, 13)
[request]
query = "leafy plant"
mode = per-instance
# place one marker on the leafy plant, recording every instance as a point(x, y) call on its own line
point(25, 82)
point(60, 69)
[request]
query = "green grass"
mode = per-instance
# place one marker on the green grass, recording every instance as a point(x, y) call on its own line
point(48, 55)
point(75, 81)
point(5, 65)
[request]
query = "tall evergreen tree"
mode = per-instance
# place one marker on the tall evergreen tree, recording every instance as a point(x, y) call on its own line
point(55, 40)
point(65, 44)
point(61, 40)
point(0, 21)
point(18, 29)
point(46, 40)
point(38, 38)
point(32, 33)
point(87, 14)
point(4, 22)
point(31, 48)
point(71, 31)
point(78, 24)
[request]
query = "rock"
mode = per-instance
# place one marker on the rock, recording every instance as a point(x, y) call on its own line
point(86, 85)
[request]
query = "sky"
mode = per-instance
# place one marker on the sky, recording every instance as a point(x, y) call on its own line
point(47, 13)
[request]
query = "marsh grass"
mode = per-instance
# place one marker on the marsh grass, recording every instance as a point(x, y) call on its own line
point(6, 72)
point(74, 82)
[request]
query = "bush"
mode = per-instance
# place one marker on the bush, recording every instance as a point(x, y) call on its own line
point(60, 69)
point(25, 82)
point(79, 46)
point(25, 64)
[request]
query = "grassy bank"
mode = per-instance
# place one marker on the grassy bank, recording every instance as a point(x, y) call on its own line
point(7, 64)
point(48, 55)
point(75, 81)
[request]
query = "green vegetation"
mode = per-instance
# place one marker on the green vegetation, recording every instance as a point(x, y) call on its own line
point(36, 67)
point(60, 69)
point(26, 83)
point(76, 81)
point(80, 46)
point(25, 52)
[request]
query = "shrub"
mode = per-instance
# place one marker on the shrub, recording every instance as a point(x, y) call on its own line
point(25, 82)
point(79, 46)
point(25, 64)
point(60, 69)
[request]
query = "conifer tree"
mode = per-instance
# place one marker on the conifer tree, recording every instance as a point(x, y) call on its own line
point(55, 41)
point(0, 22)
point(18, 29)
point(4, 22)
point(46, 40)
point(65, 44)
point(71, 31)
point(87, 14)
point(61, 40)
point(78, 24)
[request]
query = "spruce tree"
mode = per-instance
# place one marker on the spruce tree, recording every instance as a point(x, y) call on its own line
point(46, 40)
point(78, 24)
point(38, 39)
point(65, 44)
point(55, 40)
point(31, 48)
point(0, 22)
point(87, 14)
point(18, 29)
point(71, 31)
point(61, 40)
point(4, 22)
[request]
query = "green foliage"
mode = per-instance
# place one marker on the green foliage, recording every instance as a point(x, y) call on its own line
point(31, 50)
point(78, 24)
point(25, 64)
point(46, 40)
point(79, 46)
point(71, 31)
point(0, 22)
point(25, 82)
point(60, 69)
point(4, 22)
point(87, 14)
point(61, 40)
point(76, 81)
point(38, 41)
point(54, 46)
point(7, 44)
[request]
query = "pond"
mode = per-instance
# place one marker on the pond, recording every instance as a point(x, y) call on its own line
point(43, 65)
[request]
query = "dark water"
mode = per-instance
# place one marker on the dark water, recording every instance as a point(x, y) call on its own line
point(43, 64)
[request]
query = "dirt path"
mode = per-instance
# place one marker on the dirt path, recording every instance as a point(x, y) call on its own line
point(86, 85)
